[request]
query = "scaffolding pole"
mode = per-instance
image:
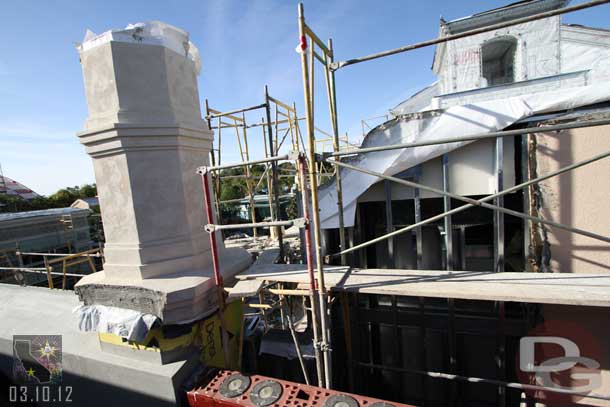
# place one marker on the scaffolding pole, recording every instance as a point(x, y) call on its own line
point(493, 27)
point(291, 118)
point(475, 137)
point(232, 112)
point(325, 347)
point(332, 104)
point(217, 273)
point(472, 202)
point(471, 379)
point(210, 227)
point(313, 298)
point(251, 162)
point(276, 185)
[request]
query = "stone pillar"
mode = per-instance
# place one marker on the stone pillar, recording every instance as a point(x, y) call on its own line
point(146, 137)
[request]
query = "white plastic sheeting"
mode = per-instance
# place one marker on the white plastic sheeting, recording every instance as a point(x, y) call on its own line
point(454, 122)
point(537, 55)
point(586, 48)
point(129, 324)
point(149, 33)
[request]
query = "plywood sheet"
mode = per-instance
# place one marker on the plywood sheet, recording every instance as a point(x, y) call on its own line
point(547, 288)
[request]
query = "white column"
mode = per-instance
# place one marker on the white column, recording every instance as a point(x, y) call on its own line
point(146, 137)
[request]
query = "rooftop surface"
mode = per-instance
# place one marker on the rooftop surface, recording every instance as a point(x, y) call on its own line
point(41, 311)
point(44, 212)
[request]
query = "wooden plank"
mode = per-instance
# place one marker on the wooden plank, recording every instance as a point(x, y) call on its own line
point(560, 288)
point(246, 288)
point(291, 273)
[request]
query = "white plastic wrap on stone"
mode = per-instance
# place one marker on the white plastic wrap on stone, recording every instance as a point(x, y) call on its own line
point(150, 32)
point(126, 323)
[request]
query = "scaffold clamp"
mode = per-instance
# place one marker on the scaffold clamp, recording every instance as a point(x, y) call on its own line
point(202, 170)
point(294, 155)
point(300, 222)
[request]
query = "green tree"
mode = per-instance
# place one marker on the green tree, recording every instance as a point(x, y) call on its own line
point(60, 199)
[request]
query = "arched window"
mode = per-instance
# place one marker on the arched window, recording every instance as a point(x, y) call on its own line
point(498, 60)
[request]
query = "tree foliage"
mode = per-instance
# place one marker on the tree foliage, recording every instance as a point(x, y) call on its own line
point(232, 187)
point(60, 199)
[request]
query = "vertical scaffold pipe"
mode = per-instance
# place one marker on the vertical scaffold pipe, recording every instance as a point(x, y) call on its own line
point(309, 259)
point(325, 348)
point(332, 103)
point(216, 266)
point(276, 187)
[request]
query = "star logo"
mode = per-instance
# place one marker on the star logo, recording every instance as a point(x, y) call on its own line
point(47, 351)
point(37, 358)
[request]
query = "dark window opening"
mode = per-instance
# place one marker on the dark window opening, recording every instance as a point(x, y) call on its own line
point(498, 60)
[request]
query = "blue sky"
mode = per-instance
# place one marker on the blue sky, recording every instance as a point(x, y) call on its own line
point(243, 44)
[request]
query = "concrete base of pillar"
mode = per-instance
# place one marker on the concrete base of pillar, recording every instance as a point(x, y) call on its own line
point(175, 299)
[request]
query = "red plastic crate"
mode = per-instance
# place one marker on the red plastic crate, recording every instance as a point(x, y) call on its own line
point(292, 395)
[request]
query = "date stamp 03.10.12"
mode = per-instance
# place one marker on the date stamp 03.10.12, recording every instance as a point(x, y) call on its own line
point(37, 372)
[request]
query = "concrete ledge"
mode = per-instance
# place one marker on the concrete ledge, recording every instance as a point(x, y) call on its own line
point(95, 376)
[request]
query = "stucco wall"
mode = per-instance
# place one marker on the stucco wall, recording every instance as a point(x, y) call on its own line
point(471, 172)
point(580, 198)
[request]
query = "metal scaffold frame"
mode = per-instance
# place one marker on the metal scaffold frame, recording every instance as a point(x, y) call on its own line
point(49, 260)
point(283, 114)
point(308, 57)
point(303, 222)
point(314, 163)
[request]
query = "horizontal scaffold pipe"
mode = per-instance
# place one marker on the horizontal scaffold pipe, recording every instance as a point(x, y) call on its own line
point(248, 126)
point(480, 202)
point(40, 270)
point(493, 27)
point(283, 291)
point(494, 134)
point(245, 109)
point(205, 169)
point(296, 222)
point(236, 200)
point(470, 379)
point(274, 122)
point(57, 254)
